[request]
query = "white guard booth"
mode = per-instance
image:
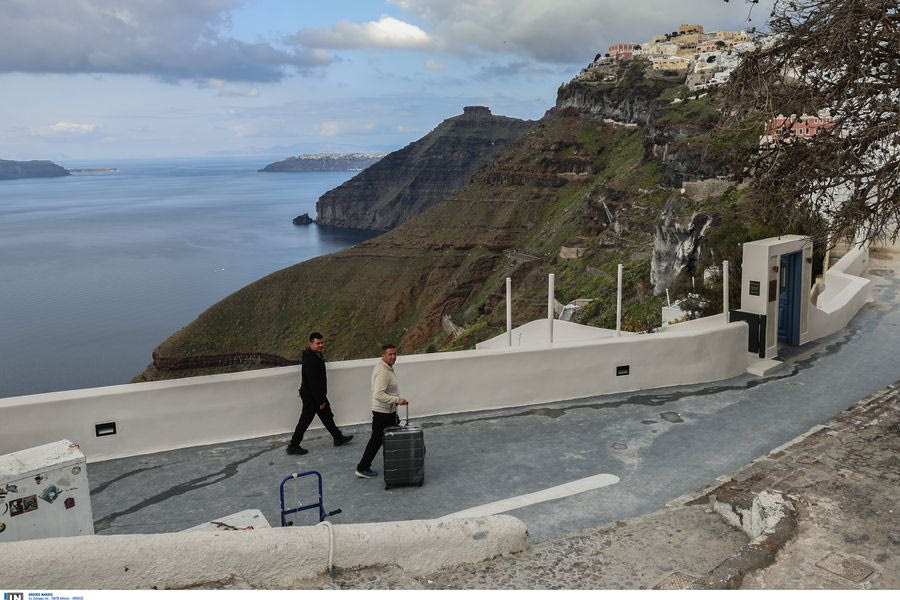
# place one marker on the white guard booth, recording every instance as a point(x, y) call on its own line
point(776, 276)
point(44, 493)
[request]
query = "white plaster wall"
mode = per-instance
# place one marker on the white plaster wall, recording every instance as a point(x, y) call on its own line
point(277, 558)
point(701, 324)
point(157, 416)
point(844, 294)
point(537, 333)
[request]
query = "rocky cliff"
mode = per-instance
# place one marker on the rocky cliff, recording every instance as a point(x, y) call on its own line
point(407, 182)
point(591, 175)
point(356, 161)
point(674, 121)
point(15, 169)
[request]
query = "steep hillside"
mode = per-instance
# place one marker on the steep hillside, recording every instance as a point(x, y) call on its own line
point(409, 181)
point(580, 184)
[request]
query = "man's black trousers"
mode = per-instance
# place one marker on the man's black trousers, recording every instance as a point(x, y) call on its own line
point(380, 422)
point(309, 412)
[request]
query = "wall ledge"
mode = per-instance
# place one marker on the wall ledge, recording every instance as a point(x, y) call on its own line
point(278, 558)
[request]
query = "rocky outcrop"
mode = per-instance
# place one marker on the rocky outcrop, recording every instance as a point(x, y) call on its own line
point(15, 169)
point(409, 181)
point(627, 93)
point(676, 240)
point(303, 219)
point(622, 91)
point(324, 162)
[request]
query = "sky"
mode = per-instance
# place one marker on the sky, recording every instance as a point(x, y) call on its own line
point(137, 79)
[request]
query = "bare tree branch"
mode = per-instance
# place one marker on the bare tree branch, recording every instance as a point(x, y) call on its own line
point(836, 57)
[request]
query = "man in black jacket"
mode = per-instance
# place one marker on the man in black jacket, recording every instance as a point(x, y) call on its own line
point(314, 394)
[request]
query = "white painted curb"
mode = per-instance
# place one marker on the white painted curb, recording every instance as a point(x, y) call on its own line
point(277, 558)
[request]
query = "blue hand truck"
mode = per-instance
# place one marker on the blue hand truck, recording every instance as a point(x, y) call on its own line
point(285, 512)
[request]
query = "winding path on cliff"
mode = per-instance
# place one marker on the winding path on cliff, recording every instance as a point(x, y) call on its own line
point(559, 467)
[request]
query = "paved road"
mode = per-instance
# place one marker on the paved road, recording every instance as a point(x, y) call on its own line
point(659, 444)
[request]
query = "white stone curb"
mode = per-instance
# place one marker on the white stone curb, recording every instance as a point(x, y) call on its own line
point(277, 558)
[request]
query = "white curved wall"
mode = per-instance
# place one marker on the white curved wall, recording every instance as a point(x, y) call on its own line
point(844, 294)
point(164, 415)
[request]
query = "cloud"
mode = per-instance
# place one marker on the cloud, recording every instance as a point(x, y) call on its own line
point(66, 128)
point(168, 39)
point(510, 69)
point(565, 31)
point(433, 65)
point(243, 129)
point(334, 128)
point(385, 33)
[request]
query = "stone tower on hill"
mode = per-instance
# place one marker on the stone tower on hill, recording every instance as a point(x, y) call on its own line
point(407, 182)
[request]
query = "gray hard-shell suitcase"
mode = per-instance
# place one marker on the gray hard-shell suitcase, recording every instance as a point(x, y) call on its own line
point(404, 455)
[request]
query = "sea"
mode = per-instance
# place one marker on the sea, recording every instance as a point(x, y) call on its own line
point(98, 268)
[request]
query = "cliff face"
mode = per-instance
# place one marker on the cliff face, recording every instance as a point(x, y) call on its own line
point(409, 181)
point(676, 240)
point(14, 169)
point(630, 92)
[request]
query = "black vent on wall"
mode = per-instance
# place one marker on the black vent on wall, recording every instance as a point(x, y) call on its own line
point(103, 429)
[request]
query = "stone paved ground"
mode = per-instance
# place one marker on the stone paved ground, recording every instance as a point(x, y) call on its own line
point(843, 479)
point(611, 557)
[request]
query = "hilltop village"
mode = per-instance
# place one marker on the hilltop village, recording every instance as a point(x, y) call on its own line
point(708, 58)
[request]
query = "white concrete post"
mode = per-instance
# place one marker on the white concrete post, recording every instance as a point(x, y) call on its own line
point(725, 289)
point(619, 301)
point(550, 297)
point(509, 312)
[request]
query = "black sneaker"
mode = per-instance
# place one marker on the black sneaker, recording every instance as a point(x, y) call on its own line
point(342, 440)
point(297, 450)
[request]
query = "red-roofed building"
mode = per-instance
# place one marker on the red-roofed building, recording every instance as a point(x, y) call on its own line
point(803, 127)
point(617, 51)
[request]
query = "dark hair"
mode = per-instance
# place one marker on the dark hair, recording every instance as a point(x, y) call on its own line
point(386, 347)
point(315, 335)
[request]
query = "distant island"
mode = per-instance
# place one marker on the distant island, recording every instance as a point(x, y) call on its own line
point(20, 169)
point(356, 161)
point(95, 170)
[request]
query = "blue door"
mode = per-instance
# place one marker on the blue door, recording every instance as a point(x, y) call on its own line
point(790, 274)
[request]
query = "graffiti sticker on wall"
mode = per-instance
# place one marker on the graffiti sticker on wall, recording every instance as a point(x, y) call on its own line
point(50, 493)
point(22, 505)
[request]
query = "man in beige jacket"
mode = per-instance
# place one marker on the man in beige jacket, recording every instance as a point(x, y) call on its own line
point(385, 400)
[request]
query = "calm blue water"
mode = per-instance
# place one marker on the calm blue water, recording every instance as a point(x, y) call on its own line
point(97, 269)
